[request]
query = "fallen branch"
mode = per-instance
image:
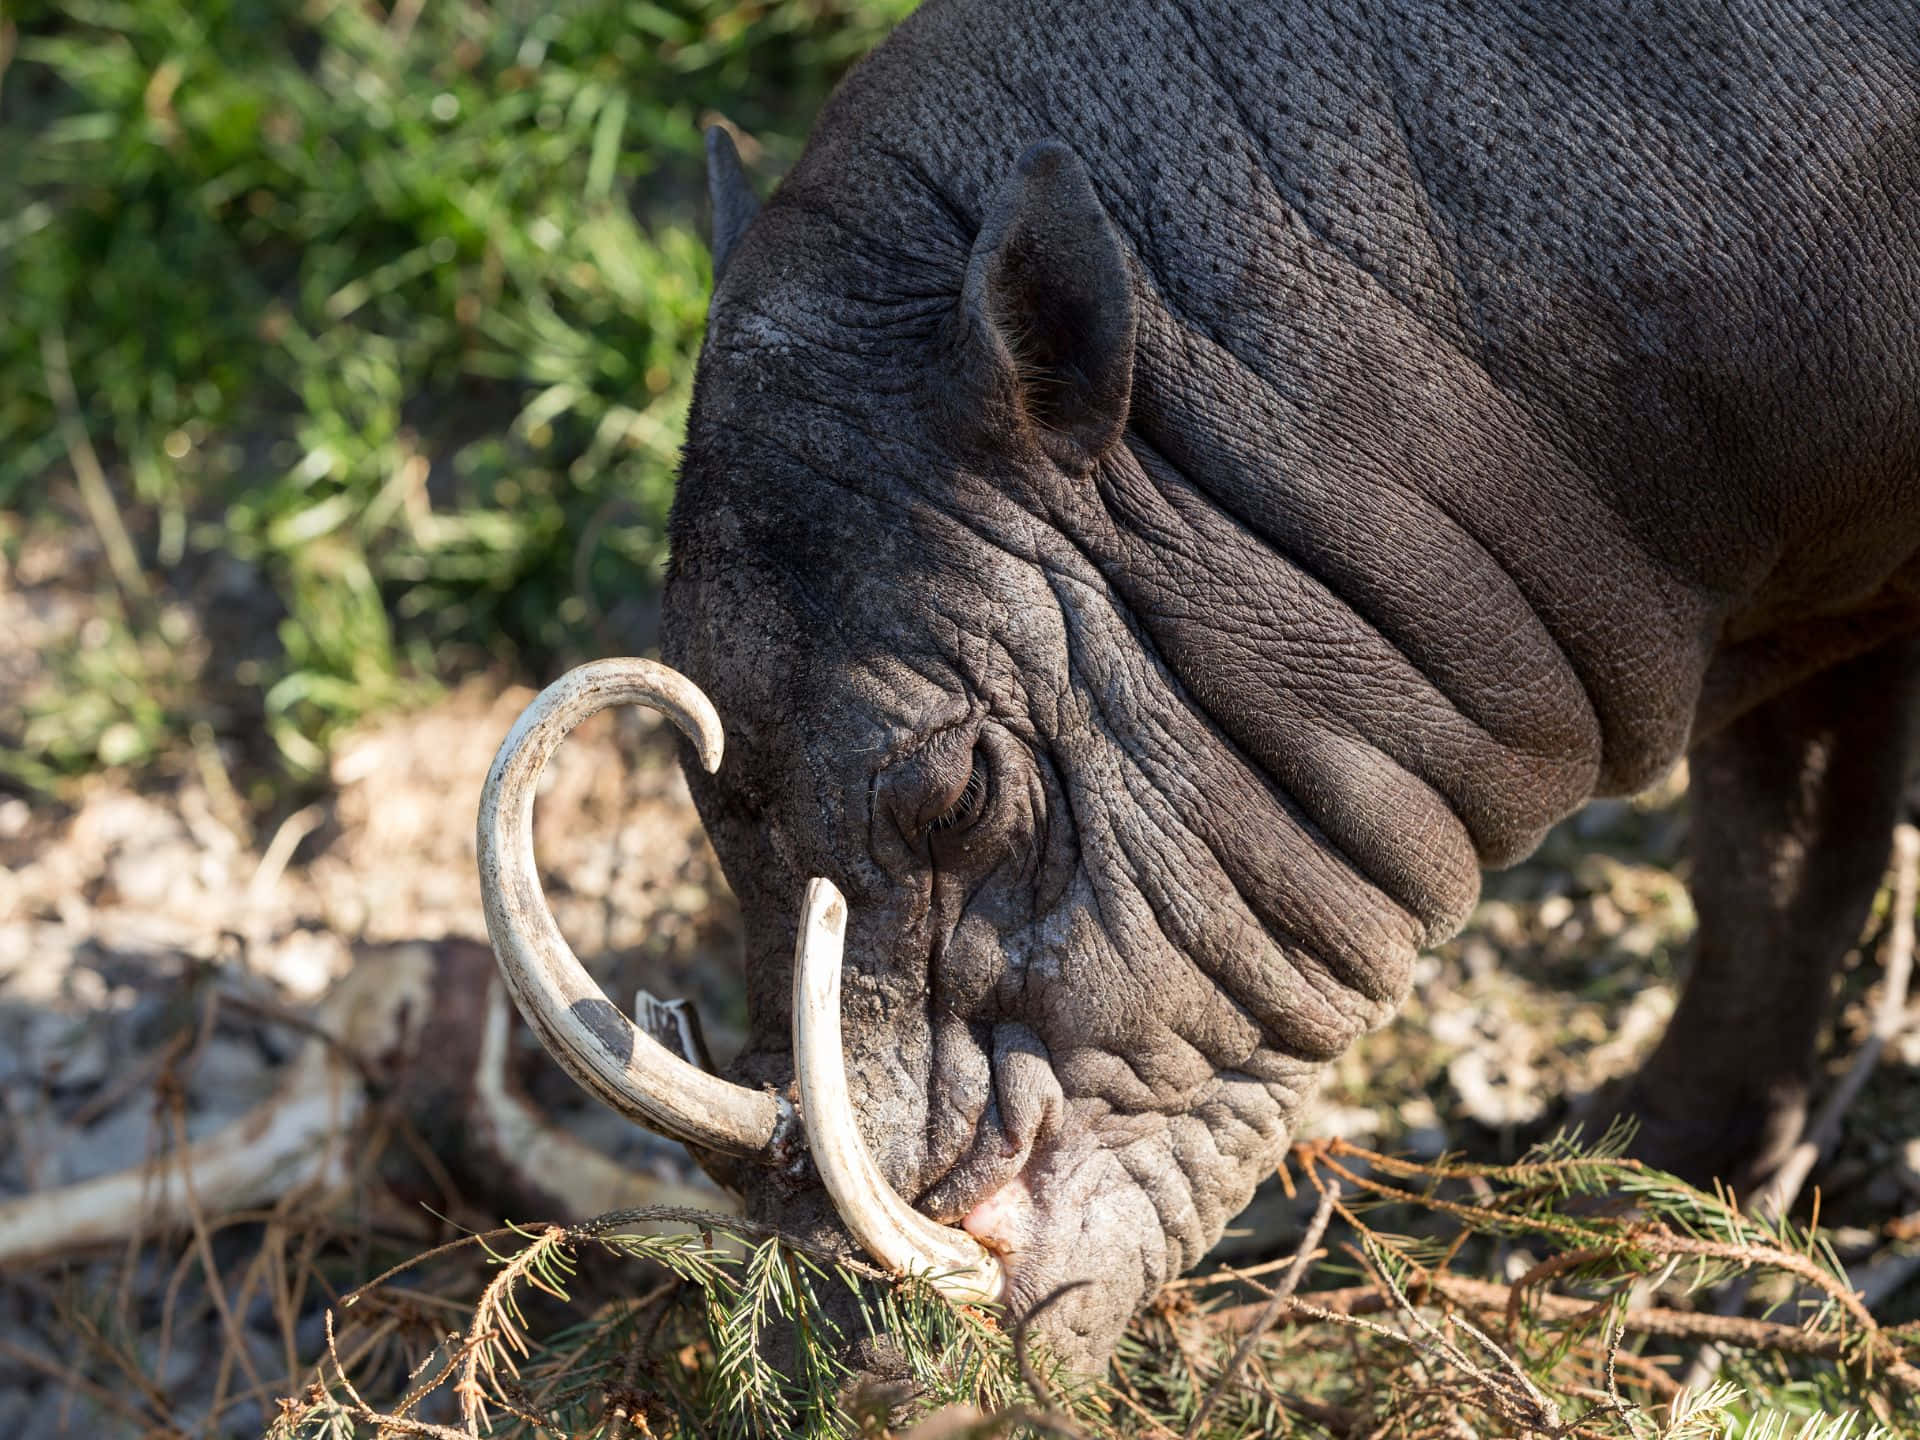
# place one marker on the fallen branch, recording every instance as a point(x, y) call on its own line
point(291, 1142)
point(421, 1028)
point(1507, 1391)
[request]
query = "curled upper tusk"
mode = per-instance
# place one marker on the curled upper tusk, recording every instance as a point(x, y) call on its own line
point(591, 1038)
point(893, 1232)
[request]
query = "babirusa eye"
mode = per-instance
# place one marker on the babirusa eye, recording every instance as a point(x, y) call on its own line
point(973, 800)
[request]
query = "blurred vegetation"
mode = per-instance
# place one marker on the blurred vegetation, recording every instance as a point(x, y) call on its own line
point(377, 324)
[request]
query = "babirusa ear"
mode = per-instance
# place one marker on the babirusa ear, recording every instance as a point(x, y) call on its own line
point(734, 203)
point(1047, 303)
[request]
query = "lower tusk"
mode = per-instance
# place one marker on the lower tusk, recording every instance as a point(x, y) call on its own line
point(887, 1228)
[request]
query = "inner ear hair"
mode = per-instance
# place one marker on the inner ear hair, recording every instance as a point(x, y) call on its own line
point(1048, 304)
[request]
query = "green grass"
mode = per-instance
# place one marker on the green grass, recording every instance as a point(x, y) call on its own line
point(398, 309)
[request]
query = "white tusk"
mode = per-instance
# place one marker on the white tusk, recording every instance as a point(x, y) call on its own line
point(887, 1228)
point(590, 1037)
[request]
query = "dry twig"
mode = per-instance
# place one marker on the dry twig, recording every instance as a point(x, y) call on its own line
point(1271, 1308)
point(95, 493)
point(1490, 1298)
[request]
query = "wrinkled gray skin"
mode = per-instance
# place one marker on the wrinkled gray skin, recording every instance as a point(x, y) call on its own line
point(1292, 455)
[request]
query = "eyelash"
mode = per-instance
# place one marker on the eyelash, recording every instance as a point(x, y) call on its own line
point(967, 807)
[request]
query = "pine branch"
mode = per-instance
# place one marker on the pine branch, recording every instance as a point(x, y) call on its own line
point(1490, 1298)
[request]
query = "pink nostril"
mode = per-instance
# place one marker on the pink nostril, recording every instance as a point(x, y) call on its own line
point(999, 1221)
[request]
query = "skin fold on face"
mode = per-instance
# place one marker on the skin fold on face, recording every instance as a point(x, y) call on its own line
point(1095, 958)
point(1149, 570)
point(1096, 951)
